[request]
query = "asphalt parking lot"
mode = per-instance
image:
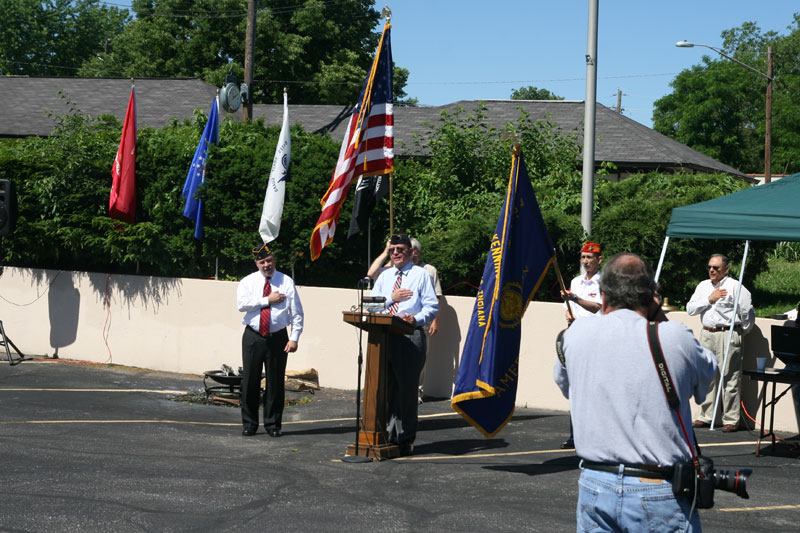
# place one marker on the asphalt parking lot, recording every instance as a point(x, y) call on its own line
point(95, 448)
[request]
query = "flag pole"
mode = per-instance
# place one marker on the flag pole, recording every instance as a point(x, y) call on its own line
point(561, 283)
point(391, 206)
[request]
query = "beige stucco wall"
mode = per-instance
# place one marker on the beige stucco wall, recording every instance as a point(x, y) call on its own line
point(190, 325)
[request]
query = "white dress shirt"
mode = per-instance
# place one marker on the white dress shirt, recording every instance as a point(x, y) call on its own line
point(587, 289)
point(718, 314)
point(250, 300)
point(423, 303)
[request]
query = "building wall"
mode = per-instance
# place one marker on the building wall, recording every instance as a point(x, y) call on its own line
point(190, 326)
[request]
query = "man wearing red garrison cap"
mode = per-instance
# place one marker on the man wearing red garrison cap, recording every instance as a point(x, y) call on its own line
point(584, 291)
point(584, 297)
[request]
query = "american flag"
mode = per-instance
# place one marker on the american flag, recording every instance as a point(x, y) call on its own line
point(368, 145)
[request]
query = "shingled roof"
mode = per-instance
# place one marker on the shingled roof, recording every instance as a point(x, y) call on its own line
point(28, 101)
point(629, 145)
point(626, 143)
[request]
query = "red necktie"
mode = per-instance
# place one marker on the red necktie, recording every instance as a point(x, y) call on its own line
point(395, 305)
point(263, 325)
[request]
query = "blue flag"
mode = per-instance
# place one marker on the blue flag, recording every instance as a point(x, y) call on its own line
point(193, 208)
point(519, 256)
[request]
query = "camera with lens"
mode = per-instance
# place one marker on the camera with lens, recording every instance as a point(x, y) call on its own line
point(700, 483)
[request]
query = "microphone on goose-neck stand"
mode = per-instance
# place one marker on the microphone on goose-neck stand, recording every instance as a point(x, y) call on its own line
point(363, 283)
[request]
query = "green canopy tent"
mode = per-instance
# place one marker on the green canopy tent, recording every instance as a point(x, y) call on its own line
point(769, 212)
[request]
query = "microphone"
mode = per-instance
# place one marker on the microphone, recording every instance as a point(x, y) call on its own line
point(373, 299)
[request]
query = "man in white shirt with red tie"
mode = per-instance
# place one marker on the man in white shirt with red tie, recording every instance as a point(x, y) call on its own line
point(584, 291)
point(409, 294)
point(270, 304)
point(714, 300)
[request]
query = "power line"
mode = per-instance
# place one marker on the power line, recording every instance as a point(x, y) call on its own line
point(220, 14)
point(315, 82)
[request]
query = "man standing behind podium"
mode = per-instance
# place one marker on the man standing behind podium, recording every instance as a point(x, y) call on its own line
point(409, 294)
point(270, 303)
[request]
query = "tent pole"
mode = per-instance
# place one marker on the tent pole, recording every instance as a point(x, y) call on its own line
point(661, 260)
point(730, 335)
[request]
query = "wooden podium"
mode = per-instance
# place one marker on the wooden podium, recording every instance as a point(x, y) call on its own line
point(372, 437)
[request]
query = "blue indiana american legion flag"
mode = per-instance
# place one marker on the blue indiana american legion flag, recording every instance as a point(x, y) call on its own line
point(519, 256)
point(193, 208)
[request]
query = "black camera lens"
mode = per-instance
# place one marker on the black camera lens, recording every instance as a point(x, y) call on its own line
point(734, 481)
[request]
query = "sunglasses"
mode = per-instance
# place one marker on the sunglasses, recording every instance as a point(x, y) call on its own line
point(398, 249)
point(713, 267)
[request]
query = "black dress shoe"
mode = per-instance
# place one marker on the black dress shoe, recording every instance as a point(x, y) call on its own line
point(406, 449)
point(568, 444)
point(249, 432)
point(274, 432)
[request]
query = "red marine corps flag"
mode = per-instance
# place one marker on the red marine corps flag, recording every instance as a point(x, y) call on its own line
point(368, 146)
point(122, 202)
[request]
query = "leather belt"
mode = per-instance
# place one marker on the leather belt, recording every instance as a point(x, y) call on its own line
point(270, 334)
point(723, 328)
point(649, 471)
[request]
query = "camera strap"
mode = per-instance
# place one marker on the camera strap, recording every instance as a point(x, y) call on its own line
point(667, 384)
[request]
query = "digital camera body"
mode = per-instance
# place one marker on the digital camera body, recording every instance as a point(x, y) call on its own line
point(699, 483)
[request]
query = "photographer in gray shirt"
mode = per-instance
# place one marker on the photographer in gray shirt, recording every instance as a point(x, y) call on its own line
point(625, 433)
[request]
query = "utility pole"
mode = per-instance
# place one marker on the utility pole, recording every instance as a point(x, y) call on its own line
point(768, 125)
point(619, 100)
point(249, 57)
point(590, 106)
point(768, 76)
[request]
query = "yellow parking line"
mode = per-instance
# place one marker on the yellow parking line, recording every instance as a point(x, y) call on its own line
point(531, 452)
point(765, 508)
point(95, 390)
point(120, 422)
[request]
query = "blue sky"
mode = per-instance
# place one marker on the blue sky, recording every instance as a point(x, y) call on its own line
point(471, 49)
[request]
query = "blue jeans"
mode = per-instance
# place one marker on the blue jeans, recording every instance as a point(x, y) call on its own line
point(613, 502)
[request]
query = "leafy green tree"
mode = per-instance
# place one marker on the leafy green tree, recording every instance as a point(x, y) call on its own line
point(448, 194)
point(54, 37)
point(633, 215)
point(533, 93)
point(451, 199)
point(718, 107)
point(321, 50)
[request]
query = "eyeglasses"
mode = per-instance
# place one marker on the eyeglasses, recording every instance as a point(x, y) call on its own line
point(714, 267)
point(398, 249)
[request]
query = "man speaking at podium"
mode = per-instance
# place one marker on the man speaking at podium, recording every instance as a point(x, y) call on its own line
point(409, 294)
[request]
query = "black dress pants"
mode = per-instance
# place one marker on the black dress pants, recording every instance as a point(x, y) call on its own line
point(406, 360)
point(257, 353)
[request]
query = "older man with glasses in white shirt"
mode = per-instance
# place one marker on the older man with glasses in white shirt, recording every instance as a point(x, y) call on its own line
point(714, 301)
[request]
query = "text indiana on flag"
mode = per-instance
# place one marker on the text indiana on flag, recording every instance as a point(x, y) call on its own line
point(519, 256)
point(368, 146)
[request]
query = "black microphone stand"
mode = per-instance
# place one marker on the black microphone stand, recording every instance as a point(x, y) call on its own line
point(359, 458)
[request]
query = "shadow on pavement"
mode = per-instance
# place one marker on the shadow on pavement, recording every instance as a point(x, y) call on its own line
point(553, 466)
point(459, 447)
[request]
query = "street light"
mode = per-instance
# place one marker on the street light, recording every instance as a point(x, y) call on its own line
point(768, 77)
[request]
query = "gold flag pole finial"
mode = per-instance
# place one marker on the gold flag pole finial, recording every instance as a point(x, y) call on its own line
point(516, 142)
point(386, 13)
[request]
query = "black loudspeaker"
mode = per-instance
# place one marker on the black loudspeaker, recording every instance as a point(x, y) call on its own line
point(8, 207)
